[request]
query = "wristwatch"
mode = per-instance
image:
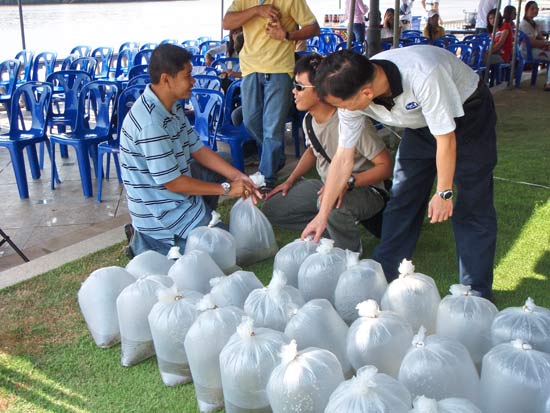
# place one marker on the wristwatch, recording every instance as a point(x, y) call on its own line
point(226, 187)
point(351, 182)
point(446, 194)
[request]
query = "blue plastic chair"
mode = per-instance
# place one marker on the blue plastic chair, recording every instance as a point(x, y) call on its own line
point(170, 41)
point(43, 63)
point(103, 56)
point(150, 45)
point(224, 64)
point(462, 51)
point(142, 57)
point(138, 70)
point(190, 43)
point(234, 135)
point(527, 58)
point(198, 60)
point(411, 33)
point(328, 42)
point(68, 61)
point(207, 82)
point(112, 147)
point(208, 107)
point(139, 80)
point(26, 134)
point(355, 46)
point(128, 45)
point(207, 45)
point(96, 104)
point(85, 64)
point(202, 39)
point(124, 62)
point(9, 70)
point(81, 51)
point(26, 59)
point(194, 50)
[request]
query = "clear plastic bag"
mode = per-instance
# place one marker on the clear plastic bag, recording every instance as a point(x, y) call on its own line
point(439, 367)
point(234, 289)
point(273, 305)
point(451, 405)
point(217, 242)
point(530, 323)
point(370, 392)
point(97, 300)
point(149, 263)
point(291, 256)
point(378, 338)
point(169, 320)
point(303, 381)
point(362, 280)
point(319, 273)
point(515, 378)
point(246, 363)
point(134, 304)
point(203, 343)
point(317, 324)
point(414, 296)
point(194, 270)
point(467, 318)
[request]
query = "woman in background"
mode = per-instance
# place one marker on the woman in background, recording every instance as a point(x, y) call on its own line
point(433, 30)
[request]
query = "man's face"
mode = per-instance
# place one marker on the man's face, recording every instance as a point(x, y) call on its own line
point(307, 97)
point(359, 101)
point(182, 83)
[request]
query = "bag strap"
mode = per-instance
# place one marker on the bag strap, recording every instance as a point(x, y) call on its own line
point(313, 138)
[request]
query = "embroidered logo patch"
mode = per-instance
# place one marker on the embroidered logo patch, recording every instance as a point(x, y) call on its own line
point(411, 105)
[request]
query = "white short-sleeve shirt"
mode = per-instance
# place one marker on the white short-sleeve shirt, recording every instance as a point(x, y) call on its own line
point(429, 86)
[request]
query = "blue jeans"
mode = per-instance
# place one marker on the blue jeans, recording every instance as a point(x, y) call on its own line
point(266, 100)
point(359, 32)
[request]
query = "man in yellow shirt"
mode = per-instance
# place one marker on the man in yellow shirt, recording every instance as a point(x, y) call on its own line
point(267, 64)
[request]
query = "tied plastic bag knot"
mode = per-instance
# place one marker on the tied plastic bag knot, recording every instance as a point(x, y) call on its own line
point(325, 246)
point(206, 303)
point(352, 259)
point(246, 328)
point(521, 345)
point(425, 405)
point(258, 179)
point(368, 308)
point(460, 289)
point(278, 282)
point(289, 352)
point(529, 305)
point(420, 338)
point(168, 295)
point(174, 253)
point(216, 218)
point(215, 281)
point(364, 379)
point(406, 268)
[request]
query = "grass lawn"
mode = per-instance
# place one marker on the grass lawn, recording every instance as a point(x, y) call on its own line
point(48, 361)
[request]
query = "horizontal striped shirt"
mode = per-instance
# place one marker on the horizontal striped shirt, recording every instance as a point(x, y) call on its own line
point(155, 148)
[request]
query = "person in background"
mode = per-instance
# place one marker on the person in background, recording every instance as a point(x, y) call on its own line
point(294, 203)
point(503, 43)
point(231, 48)
point(433, 30)
point(386, 32)
point(483, 8)
point(267, 64)
point(172, 180)
point(361, 10)
point(539, 46)
point(428, 6)
point(405, 14)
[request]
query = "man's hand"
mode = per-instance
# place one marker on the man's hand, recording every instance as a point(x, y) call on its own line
point(269, 11)
point(275, 30)
point(282, 188)
point(316, 228)
point(439, 210)
point(338, 201)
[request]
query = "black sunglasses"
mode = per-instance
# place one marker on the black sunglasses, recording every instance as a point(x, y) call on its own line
point(300, 87)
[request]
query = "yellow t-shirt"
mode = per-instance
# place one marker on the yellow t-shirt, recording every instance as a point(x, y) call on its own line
point(261, 53)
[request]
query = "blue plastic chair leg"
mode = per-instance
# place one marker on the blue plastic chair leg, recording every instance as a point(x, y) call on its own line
point(18, 164)
point(41, 160)
point(236, 148)
point(85, 170)
point(100, 174)
point(108, 166)
point(33, 161)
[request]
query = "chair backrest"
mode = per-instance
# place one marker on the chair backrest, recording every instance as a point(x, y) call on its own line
point(37, 97)
point(207, 45)
point(224, 64)
point(96, 105)
point(198, 60)
point(124, 62)
point(328, 42)
point(525, 43)
point(194, 50)
point(356, 47)
point(86, 64)
point(462, 51)
point(68, 61)
point(314, 41)
point(67, 85)
point(208, 108)
point(103, 57)
point(411, 33)
point(170, 41)
point(125, 101)
point(139, 80)
point(143, 57)
point(44, 62)
point(26, 58)
point(232, 101)
point(190, 43)
point(150, 45)
point(8, 78)
point(138, 70)
point(128, 45)
point(81, 50)
point(207, 82)
point(202, 39)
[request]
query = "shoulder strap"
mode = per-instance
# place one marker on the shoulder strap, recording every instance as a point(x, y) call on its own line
point(313, 138)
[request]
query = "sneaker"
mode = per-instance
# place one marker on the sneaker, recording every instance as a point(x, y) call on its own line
point(129, 252)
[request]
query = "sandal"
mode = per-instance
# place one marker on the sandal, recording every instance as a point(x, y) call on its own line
point(547, 87)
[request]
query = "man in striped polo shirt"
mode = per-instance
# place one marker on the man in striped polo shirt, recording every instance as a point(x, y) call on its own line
point(172, 180)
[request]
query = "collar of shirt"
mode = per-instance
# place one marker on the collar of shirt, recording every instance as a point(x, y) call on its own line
point(394, 78)
point(151, 97)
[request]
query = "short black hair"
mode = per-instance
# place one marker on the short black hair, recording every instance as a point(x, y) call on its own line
point(167, 58)
point(342, 74)
point(308, 64)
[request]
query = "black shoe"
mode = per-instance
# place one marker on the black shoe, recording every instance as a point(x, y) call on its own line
point(129, 252)
point(266, 189)
point(129, 231)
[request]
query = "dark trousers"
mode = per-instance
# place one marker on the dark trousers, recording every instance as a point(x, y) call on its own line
point(358, 32)
point(474, 217)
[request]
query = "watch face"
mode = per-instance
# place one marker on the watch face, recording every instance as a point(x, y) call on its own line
point(226, 187)
point(446, 195)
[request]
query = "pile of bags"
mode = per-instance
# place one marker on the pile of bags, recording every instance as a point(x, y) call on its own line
point(327, 334)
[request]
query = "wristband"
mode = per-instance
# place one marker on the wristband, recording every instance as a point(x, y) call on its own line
point(287, 35)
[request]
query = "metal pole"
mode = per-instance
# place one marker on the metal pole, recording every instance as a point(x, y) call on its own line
point(21, 24)
point(373, 32)
point(514, 50)
point(492, 41)
point(350, 23)
point(396, 28)
point(221, 23)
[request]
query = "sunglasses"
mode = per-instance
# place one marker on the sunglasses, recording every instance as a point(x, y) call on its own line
point(300, 87)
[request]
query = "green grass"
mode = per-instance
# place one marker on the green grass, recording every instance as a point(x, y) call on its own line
point(49, 363)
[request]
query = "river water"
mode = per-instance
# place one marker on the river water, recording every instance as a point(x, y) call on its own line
point(59, 27)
